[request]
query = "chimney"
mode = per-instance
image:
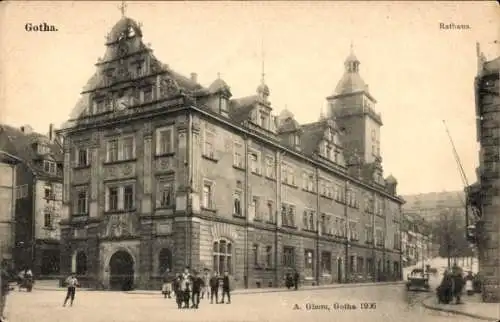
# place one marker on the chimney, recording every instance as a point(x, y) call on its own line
point(51, 132)
point(194, 77)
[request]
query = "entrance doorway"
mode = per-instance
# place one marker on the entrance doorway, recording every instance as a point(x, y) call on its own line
point(121, 267)
point(339, 270)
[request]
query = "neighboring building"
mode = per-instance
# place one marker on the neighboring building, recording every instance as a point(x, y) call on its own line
point(38, 197)
point(8, 164)
point(485, 194)
point(163, 172)
point(416, 239)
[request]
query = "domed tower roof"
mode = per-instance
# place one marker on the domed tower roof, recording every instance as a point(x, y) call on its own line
point(351, 81)
point(219, 86)
point(391, 179)
point(263, 89)
point(124, 27)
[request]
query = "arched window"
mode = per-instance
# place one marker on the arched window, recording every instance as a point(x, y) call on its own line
point(164, 260)
point(222, 253)
point(81, 263)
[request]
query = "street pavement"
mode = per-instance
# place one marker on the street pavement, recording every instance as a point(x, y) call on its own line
point(472, 306)
point(383, 304)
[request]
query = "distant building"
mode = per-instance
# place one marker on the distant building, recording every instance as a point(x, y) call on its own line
point(431, 205)
point(484, 195)
point(161, 172)
point(8, 164)
point(38, 197)
point(416, 239)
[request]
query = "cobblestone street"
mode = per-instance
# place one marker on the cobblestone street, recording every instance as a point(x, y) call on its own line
point(392, 303)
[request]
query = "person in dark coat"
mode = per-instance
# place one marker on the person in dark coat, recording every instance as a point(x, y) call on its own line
point(444, 290)
point(179, 293)
point(226, 289)
point(458, 285)
point(296, 279)
point(214, 288)
point(197, 285)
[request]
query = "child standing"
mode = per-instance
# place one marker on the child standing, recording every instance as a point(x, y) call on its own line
point(72, 283)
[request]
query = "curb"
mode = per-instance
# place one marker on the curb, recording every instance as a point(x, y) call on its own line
point(441, 309)
point(278, 290)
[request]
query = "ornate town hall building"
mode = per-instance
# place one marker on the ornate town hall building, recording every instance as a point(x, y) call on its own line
point(160, 172)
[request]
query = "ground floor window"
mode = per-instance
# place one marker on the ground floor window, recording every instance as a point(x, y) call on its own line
point(360, 265)
point(396, 268)
point(369, 266)
point(288, 256)
point(351, 264)
point(326, 263)
point(222, 256)
point(309, 263)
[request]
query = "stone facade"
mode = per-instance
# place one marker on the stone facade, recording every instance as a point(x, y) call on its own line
point(182, 175)
point(484, 196)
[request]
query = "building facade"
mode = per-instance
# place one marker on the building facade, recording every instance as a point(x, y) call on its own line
point(484, 196)
point(8, 164)
point(38, 198)
point(416, 240)
point(161, 172)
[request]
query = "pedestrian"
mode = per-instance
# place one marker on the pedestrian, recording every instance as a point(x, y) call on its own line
point(72, 284)
point(186, 287)
point(226, 289)
point(168, 278)
point(197, 285)
point(179, 294)
point(458, 285)
point(296, 279)
point(214, 288)
point(444, 290)
point(206, 285)
point(469, 283)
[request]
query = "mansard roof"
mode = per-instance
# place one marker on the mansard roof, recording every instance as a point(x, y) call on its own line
point(240, 108)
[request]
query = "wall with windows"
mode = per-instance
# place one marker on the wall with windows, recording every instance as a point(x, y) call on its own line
point(7, 206)
point(48, 205)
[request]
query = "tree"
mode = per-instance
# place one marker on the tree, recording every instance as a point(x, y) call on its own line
point(450, 233)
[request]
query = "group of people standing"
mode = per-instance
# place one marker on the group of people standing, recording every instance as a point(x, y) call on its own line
point(452, 285)
point(189, 286)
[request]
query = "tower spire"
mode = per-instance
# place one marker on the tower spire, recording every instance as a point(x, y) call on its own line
point(263, 70)
point(123, 8)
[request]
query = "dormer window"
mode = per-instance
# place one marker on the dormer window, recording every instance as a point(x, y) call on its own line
point(42, 148)
point(130, 32)
point(223, 105)
point(297, 139)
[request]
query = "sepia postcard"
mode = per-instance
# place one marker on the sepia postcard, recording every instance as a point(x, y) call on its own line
point(249, 161)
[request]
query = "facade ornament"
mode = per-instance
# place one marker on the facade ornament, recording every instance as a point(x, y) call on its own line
point(168, 87)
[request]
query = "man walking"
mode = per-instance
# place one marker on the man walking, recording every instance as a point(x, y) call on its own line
point(214, 288)
point(226, 290)
point(72, 283)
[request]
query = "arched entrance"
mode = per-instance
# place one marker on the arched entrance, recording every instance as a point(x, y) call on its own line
point(121, 271)
point(164, 260)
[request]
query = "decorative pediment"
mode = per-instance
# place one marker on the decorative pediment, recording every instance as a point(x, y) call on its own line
point(169, 87)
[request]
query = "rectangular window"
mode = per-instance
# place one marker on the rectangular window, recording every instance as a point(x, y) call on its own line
point(128, 197)
point(360, 265)
point(254, 162)
point(50, 167)
point(165, 193)
point(148, 95)
point(369, 234)
point(113, 199)
point(81, 202)
point(379, 237)
point(310, 183)
point(270, 212)
point(47, 220)
point(353, 231)
point(207, 201)
point(255, 250)
point(208, 148)
point(308, 263)
point(237, 204)
point(326, 263)
point(351, 264)
point(112, 150)
point(164, 140)
point(48, 192)
point(291, 216)
point(269, 256)
point(288, 257)
point(284, 217)
point(269, 167)
point(305, 182)
point(127, 148)
point(82, 157)
point(290, 176)
point(305, 220)
point(238, 155)
point(254, 208)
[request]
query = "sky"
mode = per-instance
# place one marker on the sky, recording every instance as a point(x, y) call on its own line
point(419, 73)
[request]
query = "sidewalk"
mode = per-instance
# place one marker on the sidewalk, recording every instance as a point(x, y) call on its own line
point(54, 286)
point(283, 289)
point(472, 307)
